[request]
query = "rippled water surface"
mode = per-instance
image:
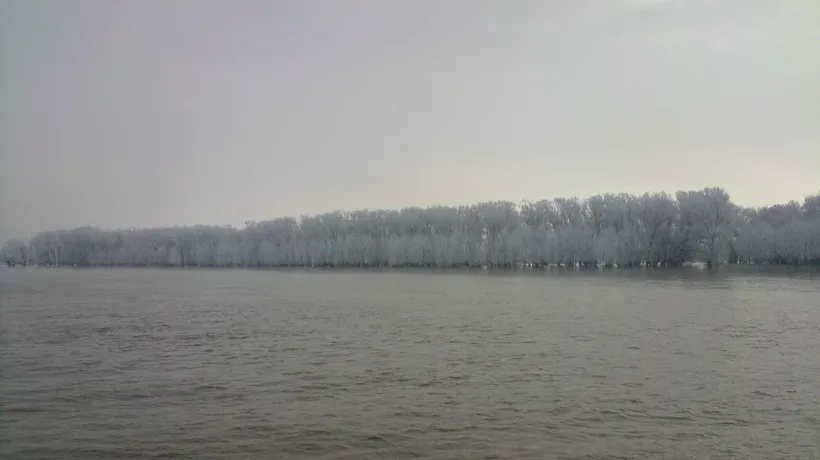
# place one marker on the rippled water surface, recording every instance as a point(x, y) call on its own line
point(243, 364)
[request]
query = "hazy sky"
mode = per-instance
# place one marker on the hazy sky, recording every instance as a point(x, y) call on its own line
point(148, 112)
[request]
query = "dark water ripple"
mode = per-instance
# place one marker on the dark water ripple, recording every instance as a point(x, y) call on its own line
point(202, 364)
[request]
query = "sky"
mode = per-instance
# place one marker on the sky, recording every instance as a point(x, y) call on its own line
point(151, 113)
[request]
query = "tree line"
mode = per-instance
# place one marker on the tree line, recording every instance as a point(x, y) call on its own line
point(653, 229)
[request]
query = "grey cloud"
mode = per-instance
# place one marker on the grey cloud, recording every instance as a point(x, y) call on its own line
point(131, 114)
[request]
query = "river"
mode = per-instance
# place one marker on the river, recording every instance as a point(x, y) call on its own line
point(334, 364)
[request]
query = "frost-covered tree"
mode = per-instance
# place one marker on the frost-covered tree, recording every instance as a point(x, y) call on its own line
point(783, 234)
point(653, 229)
point(15, 252)
point(706, 218)
point(656, 214)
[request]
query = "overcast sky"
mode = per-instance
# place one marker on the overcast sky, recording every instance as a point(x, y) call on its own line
point(147, 113)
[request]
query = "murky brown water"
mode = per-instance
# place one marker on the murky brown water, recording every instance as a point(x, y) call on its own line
point(243, 364)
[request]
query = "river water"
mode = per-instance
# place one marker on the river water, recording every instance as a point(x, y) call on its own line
point(253, 364)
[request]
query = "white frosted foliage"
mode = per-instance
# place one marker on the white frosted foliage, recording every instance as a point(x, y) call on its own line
point(617, 230)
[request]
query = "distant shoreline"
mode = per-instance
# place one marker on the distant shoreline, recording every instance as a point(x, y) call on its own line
point(460, 268)
point(608, 230)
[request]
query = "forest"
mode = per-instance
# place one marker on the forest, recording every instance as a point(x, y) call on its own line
point(610, 230)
